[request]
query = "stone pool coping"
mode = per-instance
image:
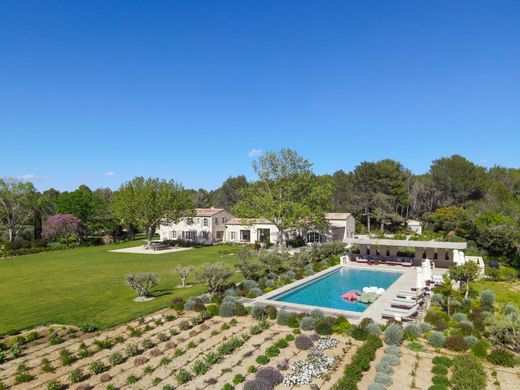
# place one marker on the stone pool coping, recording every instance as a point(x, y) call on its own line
point(405, 282)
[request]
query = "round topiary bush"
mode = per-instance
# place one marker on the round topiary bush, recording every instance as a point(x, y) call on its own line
point(282, 317)
point(471, 340)
point(437, 299)
point(272, 312)
point(325, 326)
point(439, 369)
point(456, 343)
point(393, 350)
point(411, 331)
point(394, 334)
point(240, 309)
point(303, 342)
point(255, 292)
point(258, 312)
point(365, 322)
point(391, 360)
point(376, 386)
point(227, 309)
point(315, 337)
point(424, 327)
point(257, 384)
point(384, 367)
point(442, 361)
point(373, 328)
point(307, 323)
point(437, 339)
point(270, 375)
point(383, 378)
point(487, 298)
point(283, 365)
point(458, 317)
point(510, 309)
point(249, 284)
point(441, 380)
point(317, 314)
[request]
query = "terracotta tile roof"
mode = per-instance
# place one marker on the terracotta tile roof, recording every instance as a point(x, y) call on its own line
point(336, 216)
point(248, 221)
point(207, 212)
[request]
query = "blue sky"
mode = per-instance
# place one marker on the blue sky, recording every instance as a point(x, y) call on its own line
point(97, 92)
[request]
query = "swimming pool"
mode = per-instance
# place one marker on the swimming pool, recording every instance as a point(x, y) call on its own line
point(326, 291)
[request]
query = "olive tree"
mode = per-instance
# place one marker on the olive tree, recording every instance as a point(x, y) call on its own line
point(148, 202)
point(215, 276)
point(465, 273)
point(183, 272)
point(142, 283)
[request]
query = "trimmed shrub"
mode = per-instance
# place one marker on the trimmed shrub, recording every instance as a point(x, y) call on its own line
point(325, 326)
point(376, 386)
point(441, 380)
point(442, 361)
point(501, 357)
point(391, 360)
point(303, 342)
point(415, 346)
point(240, 309)
point(383, 378)
point(307, 323)
point(283, 365)
point(480, 349)
point(269, 375)
point(424, 327)
point(393, 334)
point(272, 312)
point(258, 312)
point(458, 317)
point(393, 350)
point(437, 319)
point(411, 332)
point(227, 309)
point(467, 373)
point(282, 318)
point(384, 367)
point(439, 369)
point(373, 328)
point(437, 339)
point(317, 314)
point(471, 340)
point(262, 359)
point(358, 334)
point(255, 292)
point(487, 298)
point(456, 343)
point(365, 322)
point(214, 310)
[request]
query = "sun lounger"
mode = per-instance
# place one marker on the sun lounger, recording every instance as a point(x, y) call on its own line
point(409, 294)
point(405, 303)
point(400, 315)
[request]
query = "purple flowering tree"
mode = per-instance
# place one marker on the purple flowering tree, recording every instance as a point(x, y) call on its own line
point(64, 226)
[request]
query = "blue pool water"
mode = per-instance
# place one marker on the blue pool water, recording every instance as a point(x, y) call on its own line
point(327, 290)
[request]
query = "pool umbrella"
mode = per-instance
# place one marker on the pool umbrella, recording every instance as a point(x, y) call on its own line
point(419, 282)
point(427, 270)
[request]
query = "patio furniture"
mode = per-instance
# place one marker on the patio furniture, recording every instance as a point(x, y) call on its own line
point(400, 315)
point(405, 303)
point(410, 294)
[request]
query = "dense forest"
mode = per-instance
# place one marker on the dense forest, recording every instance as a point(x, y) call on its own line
point(456, 199)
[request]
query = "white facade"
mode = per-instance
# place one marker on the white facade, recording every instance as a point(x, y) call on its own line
point(208, 226)
point(250, 231)
point(414, 226)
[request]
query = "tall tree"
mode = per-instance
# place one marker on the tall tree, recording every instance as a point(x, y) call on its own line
point(16, 204)
point(64, 226)
point(146, 203)
point(458, 179)
point(229, 193)
point(287, 193)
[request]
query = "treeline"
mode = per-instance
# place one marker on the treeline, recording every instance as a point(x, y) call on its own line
point(455, 198)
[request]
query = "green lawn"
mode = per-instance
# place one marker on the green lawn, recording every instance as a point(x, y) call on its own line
point(88, 285)
point(505, 292)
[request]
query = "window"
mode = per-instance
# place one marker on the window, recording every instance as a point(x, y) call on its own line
point(205, 222)
point(188, 235)
point(220, 234)
point(216, 221)
point(233, 235)
point(174, 234)
point(245, 235)
point(223, 220)
point(204, 235)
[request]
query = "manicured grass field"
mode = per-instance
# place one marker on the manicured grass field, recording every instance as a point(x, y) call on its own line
point(505, 292)
point(88, 285)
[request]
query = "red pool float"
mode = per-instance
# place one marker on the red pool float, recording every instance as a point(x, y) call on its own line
point(351, 296)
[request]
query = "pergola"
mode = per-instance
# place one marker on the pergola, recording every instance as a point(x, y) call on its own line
point(441, 252)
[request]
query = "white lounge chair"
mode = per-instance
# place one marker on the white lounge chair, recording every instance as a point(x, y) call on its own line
point(399, 315)
point(405, 303)
point(409, 294)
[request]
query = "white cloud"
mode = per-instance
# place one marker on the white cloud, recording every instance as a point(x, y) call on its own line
point(110, 174)
point(30, 176)
point(255, 152)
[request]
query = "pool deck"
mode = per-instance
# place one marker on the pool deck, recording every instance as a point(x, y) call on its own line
point(405, 282)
